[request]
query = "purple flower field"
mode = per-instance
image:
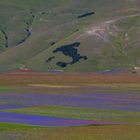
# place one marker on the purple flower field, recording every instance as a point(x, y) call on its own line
point(99, 100)
point(113, 101)
point(47, 121)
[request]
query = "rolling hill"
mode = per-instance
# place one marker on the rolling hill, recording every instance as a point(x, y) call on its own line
point(75, 36)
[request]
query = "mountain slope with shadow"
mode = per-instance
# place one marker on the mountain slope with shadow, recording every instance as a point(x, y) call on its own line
point(40, 34)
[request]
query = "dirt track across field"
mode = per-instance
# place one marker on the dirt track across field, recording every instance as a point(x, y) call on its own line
point(66, 78)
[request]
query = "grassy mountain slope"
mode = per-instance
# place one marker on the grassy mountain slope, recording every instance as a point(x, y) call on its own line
point(33, 31)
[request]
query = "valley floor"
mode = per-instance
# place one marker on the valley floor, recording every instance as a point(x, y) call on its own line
point(69, 106)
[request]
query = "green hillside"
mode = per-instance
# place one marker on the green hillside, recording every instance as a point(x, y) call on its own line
point(75, 35)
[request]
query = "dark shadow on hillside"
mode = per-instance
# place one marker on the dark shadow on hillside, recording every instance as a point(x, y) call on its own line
point(86, 14)
point(50, 59)
point(6, 38)
point(71, 51)
point(28, 30)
